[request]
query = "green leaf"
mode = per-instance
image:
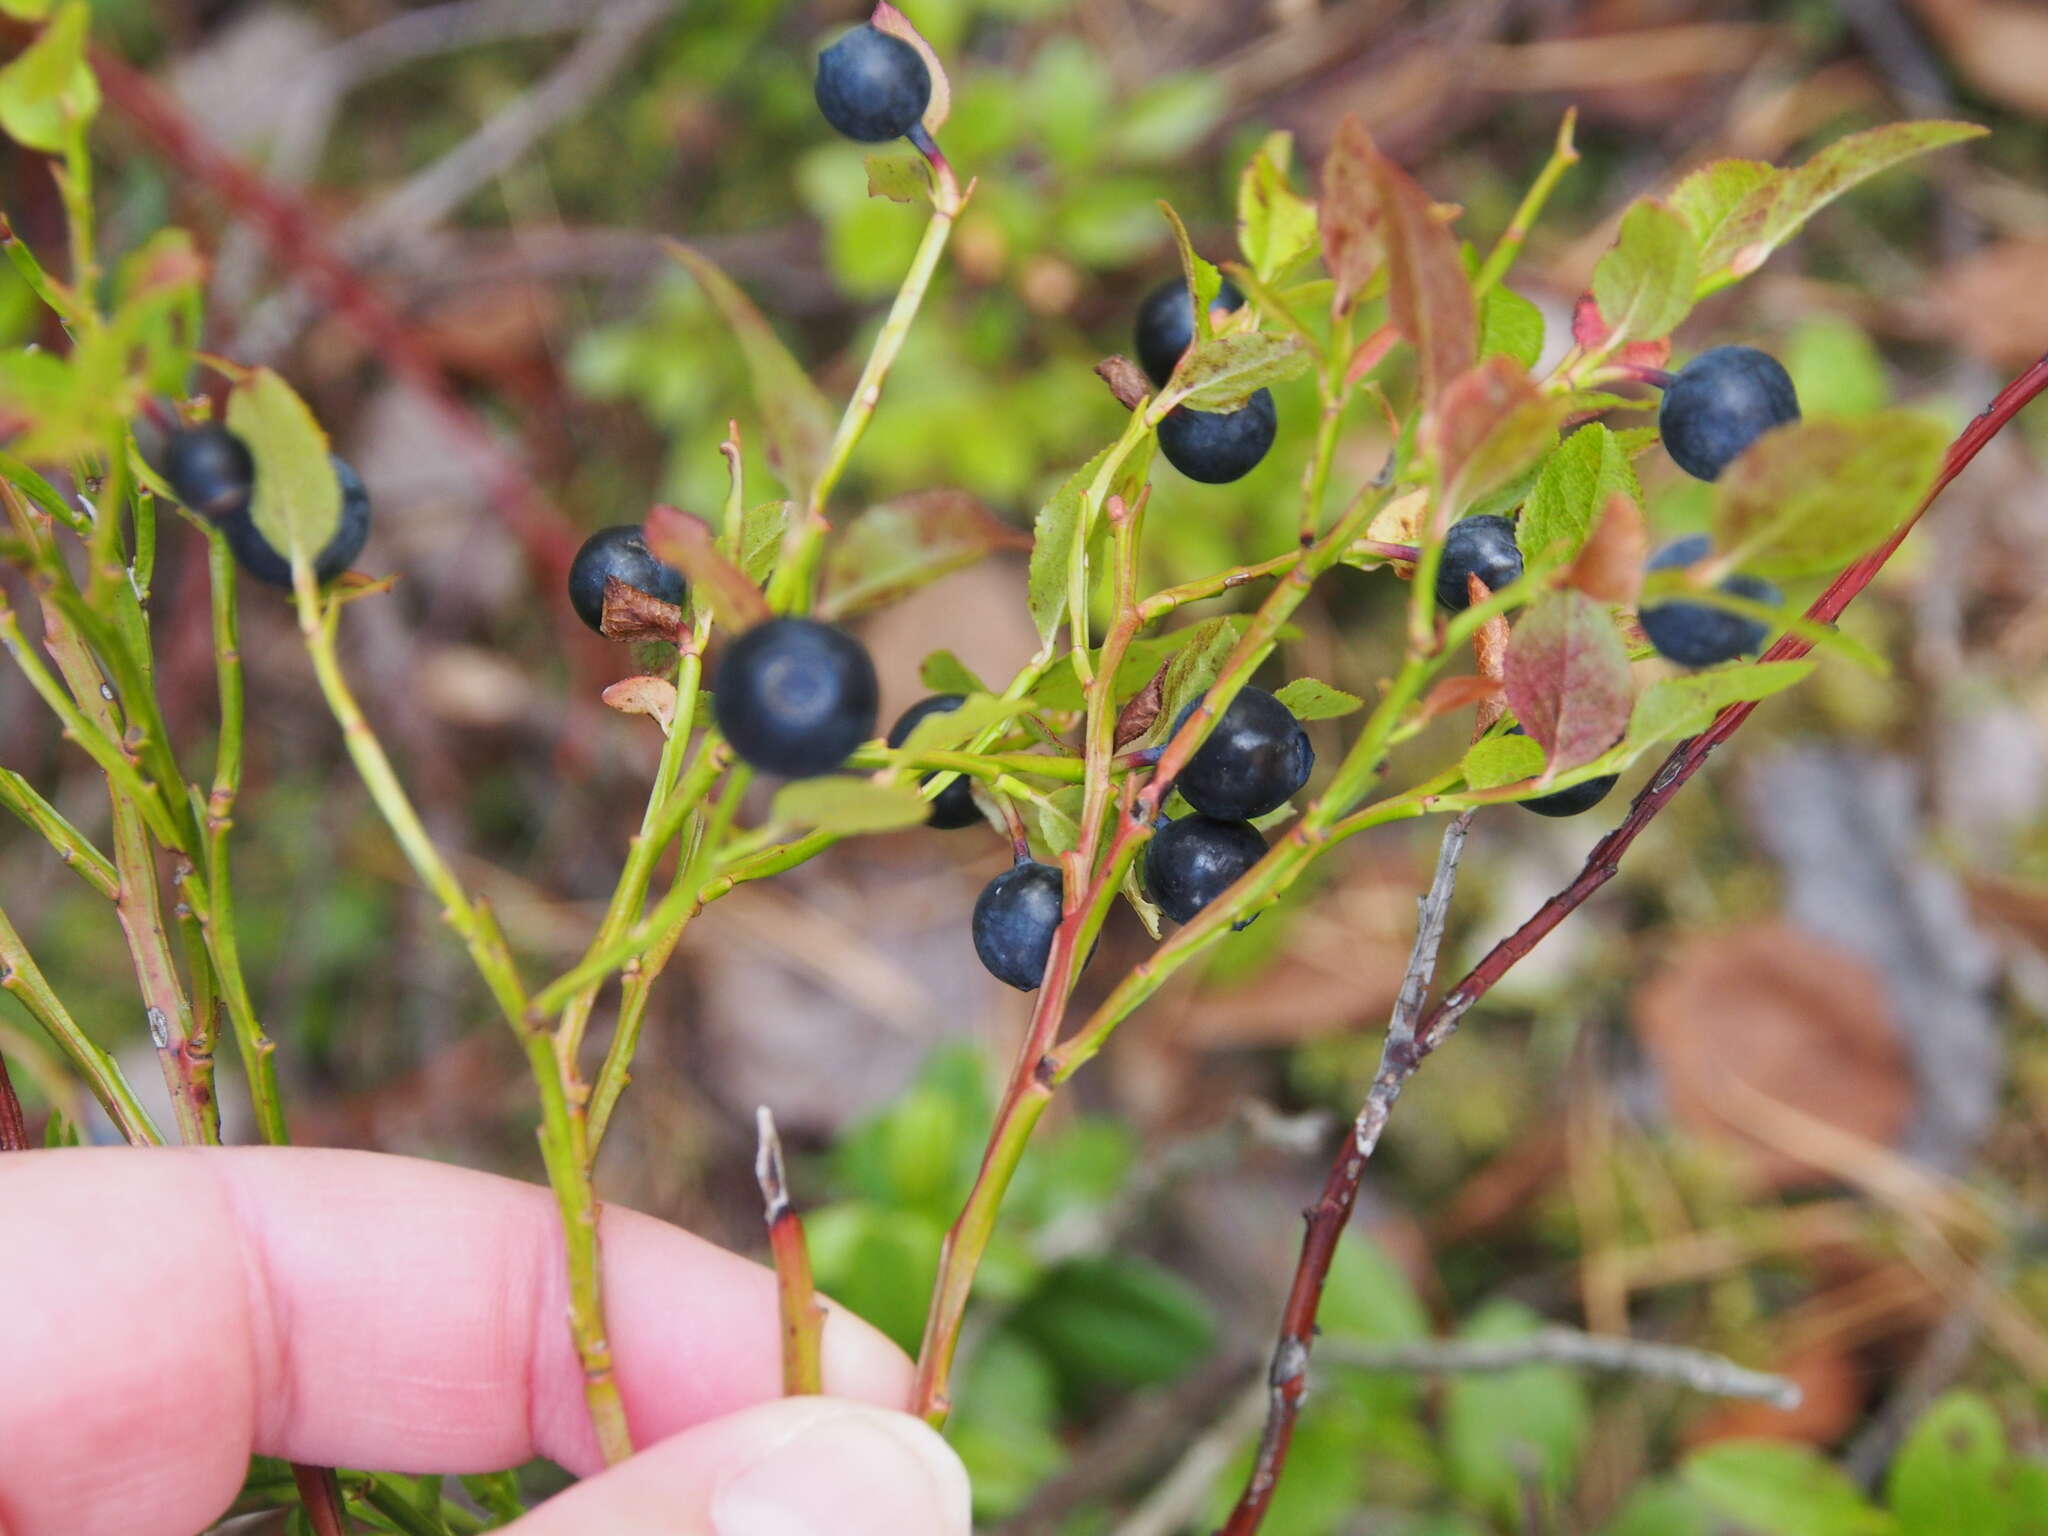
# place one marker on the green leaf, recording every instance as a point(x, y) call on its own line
point(943, 672)
point(1708, 198)
point(1052, 545)
point(1367, 1297)
point(1817, 493)
point(1116, 1322)
point(1204, 649)
point(761, 530)
point(1502, 1430)
point(1276, 226)
point(1836, 368)
point(899, 178)
point(1221, 374)
point(48, 86)
point(1675, 707)
point(1059, 818)
point(1170, 116)
point(847, 805)
point(1061, 691)
point(1773, 210)
point(1510, 326)
point(1567, 679)
point(891, 550)
point(1947, 1476)
point(1775, 1488)
point(947, 729)
point(1661, 1509)
point(1495, 761)
point(297, 502)
point(1308, 699)
point(795, 417)
point(25, 10)
point(1203, 280)
point(1644, 285)
point(1004, 1419)
point(1577, 480)
point(877, 1262)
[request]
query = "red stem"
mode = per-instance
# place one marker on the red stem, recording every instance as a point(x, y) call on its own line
point(13, 1123)
point(1327, 1218)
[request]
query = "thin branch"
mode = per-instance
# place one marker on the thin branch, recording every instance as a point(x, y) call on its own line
point(1327, 1218)
point(803, 1320)
point(1699, 1369)
point(13, 1123)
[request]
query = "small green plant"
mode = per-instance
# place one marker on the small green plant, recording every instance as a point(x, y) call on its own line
point(1130, 760)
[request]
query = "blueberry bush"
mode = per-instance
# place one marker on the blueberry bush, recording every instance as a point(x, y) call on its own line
point(1132, 763)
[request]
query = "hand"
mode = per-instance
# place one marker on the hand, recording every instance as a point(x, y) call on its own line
point(165, 1314)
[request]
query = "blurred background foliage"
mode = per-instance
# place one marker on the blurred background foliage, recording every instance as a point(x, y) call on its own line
point(1781, 1091)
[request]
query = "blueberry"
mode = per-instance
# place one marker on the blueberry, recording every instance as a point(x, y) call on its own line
point(1192, 861)
point(1014, 919)
point(954, 805)
point(873, 86)
point(1216, 447)
point(1482, 546)
point(1256, 756)
point(1573, 801)
point(1696, 634)
point(210, 470)
point(794, 696)
point(261, 561)
point(622, 552)
point(1720, 403)
point(1166, 324)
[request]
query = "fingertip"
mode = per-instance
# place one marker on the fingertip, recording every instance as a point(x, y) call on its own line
point(862, 1362)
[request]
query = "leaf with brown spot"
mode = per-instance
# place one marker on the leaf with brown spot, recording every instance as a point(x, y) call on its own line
point(631, 616)
point(1609, 567)
point(1567, 680)
point(654, 697)
point(688, 544)
point(1428, 294)
point(1348, 214)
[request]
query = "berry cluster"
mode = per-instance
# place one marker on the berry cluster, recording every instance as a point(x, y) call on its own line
point(210, 471)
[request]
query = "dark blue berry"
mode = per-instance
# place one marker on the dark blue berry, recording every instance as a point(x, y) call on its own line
point(1697, 634)
point(1166, 324)
point(1216, 447)
point(873, 86)
point(954, 805)
point(1572, 801)
point(1720, 403)
point(1482, 546)
point(1015, 917)
point(261, 561)
point(619, 552)
point(209, 469)
point(795, 696)
point(1192, 861)
point(1255, 757)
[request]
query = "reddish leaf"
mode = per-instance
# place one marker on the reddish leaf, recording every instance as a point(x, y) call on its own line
point(1348, 214)
point(1370, 353)
point(1428, 294)
point(1590, 331)
point(1490, 424)
point(651, 696)
point(887, 18)
point(1455, 693)
point(688, 544)
point(1567, 680)
point(1609, 567)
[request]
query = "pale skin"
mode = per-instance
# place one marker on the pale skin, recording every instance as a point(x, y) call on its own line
point(165, 1314)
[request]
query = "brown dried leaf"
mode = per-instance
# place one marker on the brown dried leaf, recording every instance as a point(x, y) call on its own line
point(1141, 709)
point(654, 697)
point(1400, 521)
point(1348, 213)
point(632, 616)
point(1489, 653)
point(688, 544)
point(1770, 1010)
point(1609, 567)
point(1126, 380)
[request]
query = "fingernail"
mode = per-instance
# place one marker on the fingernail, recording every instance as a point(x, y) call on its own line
point(847, 1470)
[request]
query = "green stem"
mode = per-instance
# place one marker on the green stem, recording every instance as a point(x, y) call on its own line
point(1562, 158)
point(790, 589)
point(71, 845)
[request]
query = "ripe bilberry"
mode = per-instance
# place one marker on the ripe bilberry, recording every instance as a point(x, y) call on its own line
point(872, 86)
point(1166, 324)
point(954, 805)
point(210, 470)
point(1192, 861)
point(1216, 447)
point(619, 552)
point(1720, 403)
point(1014, 919)
point(1572, 801)
point(794, 696)
point(1696, 634)
point(1482, 546)
point(1254, 758)
point(263, 562)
